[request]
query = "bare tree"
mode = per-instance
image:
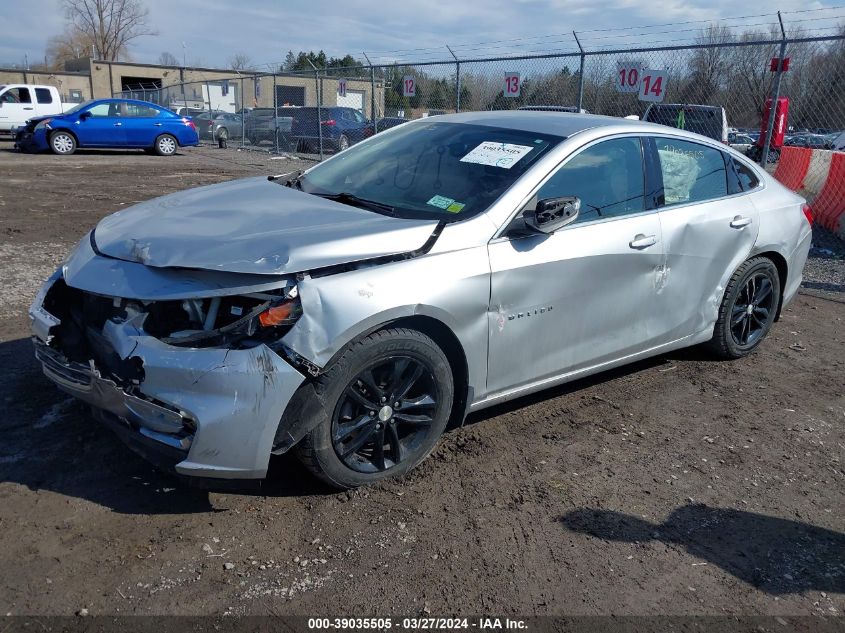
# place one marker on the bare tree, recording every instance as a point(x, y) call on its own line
point(168, 59)
point(73, 44)
point(240, 61)
point(110, 24)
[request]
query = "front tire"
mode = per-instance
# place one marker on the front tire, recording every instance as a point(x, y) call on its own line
point(166, 145)
point(387, 399)
point(62, 143)
point(748, 309)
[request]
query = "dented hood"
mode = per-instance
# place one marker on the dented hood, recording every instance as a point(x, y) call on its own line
point(253, 226)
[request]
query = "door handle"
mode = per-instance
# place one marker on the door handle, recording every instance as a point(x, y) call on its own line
point(25, 108)
point(118, 124)
point(157, 124)
point(738, 222)
point(643, 241)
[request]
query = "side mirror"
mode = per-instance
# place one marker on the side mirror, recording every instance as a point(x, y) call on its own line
point(84, 115)
point(552, 214)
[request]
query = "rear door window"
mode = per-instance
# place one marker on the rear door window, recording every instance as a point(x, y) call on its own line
point(43, 95)
point(691, 172)
point(138, 110)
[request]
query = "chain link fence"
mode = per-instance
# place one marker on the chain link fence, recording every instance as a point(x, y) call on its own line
point(317, 112)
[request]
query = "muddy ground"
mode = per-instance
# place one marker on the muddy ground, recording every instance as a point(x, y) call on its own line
point(679, 485)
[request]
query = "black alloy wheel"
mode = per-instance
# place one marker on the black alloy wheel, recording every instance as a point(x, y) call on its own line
point(753, 310)
point(384, 414)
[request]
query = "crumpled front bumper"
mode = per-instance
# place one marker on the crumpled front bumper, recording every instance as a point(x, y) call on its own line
point(212, 412)
point(31, 141)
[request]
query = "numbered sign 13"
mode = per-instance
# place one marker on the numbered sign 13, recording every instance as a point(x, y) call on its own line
point(512, 85)
point(653, 85)
point(409, 86)
point(628, 77)
point(341, 88)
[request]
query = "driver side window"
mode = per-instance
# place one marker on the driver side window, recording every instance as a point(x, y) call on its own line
point(100, 110)
point(607, 177)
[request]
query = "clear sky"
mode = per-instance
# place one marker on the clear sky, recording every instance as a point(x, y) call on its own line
point(213, 30)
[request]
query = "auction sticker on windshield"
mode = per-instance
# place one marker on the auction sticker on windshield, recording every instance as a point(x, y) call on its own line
point(504, 155)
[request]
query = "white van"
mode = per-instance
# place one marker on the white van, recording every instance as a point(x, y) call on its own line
point(19, 102)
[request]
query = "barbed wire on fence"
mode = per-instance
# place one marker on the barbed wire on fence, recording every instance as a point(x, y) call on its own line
point(722, 68)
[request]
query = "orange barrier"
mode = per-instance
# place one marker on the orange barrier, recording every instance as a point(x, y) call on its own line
point(829, 205)
point(793, 165)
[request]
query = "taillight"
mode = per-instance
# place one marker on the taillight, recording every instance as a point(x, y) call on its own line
point(808, 213)
point(189, 123)
point(329, 122)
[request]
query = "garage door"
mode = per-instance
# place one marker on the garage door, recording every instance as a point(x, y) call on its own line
point(353, 99)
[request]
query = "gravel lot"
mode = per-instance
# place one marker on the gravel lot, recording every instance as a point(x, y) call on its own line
point(678, 485)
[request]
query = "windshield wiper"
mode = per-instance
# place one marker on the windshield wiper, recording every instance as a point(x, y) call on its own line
point(290, 179)
point(351, 199)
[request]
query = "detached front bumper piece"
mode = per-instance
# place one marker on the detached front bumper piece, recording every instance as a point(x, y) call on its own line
point(209, 413)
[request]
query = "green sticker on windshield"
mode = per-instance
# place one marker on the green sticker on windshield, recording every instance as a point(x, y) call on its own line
point(441, 202)
point(455, 207)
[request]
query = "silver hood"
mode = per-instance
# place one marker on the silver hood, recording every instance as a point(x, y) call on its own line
point(253, 226)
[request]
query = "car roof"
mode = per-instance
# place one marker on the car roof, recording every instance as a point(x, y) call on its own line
point(544, 122)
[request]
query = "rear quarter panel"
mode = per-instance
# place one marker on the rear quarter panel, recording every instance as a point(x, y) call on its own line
point(783, 230)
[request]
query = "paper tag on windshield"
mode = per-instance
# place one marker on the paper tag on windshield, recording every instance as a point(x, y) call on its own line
point(504, 155)
point(441, 202)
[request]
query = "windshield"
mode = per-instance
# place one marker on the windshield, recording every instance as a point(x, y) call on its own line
point(447, 171)
point(79, 107)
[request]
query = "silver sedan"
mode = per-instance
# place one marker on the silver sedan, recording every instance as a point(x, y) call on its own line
point(446, 265)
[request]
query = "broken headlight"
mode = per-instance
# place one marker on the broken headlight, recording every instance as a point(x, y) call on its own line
point(237, 321)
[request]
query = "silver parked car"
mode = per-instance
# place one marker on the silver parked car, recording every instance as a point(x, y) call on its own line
point(437, 268)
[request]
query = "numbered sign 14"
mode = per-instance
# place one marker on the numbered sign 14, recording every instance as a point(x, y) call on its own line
point(653, 85)
point(628, 77)
point(341, 88)
point(512, 86)
point(409, 86)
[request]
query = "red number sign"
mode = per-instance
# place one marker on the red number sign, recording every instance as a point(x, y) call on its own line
point(627, 77)
point(512, 86)
point(409, 86)
point(653, 85)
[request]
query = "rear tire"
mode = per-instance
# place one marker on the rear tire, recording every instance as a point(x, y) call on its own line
point(166, 145)
point(342, 143)
point(62, 143)
point(362, 436)
point(748, 309)
point(223, 134)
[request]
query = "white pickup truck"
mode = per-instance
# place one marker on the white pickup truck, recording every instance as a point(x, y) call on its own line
point(19, 102)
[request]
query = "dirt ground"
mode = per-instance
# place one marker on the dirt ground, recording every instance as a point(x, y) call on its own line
point(679, 485)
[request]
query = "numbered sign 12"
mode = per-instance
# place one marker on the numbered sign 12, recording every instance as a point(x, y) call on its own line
point(653, 85)
point(341, 88)
point(512, 86)
point(409, 86)
point(628, 76)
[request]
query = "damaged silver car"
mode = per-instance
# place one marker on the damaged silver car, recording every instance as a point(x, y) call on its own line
point(446, 265)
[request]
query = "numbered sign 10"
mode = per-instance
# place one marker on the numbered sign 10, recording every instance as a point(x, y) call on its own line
point(341, 88)
point(409, 86)
point(653, 85)
point(628, 77)
point(512, 86)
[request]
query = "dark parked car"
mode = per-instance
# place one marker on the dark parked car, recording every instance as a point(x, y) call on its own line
point(388, 122)
point(341, 127)
point(113, 123)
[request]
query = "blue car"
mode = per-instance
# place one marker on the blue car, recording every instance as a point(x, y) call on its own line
point(112, 123)
point(341, 127)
